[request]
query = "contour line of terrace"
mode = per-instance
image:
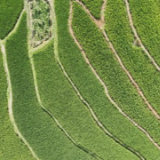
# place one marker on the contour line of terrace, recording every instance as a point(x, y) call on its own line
point(101, 126)
point(137, 36)
point(99, 78)
point(37, 93)
point(131, 23)
point(101, 27)
point(55, 119)
point(10, 94)
point(10, 102)
point(10, 91)
point(94, 155)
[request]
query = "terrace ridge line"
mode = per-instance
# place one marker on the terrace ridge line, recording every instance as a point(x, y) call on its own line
point(99, 78)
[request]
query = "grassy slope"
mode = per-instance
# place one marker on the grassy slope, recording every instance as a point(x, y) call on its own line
point(110, 71)
point(58, 96)
point(46, 139)
point(94, 6)
point(10, 145)
point(138, 64)
point(146, 17)
point(9, 12)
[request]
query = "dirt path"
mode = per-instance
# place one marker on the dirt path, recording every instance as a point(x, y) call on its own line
point(102, 19)
point(137, 36)
point(10, 96)
point(121, 63)
point(54, 118)
point(10, 108)
point(104, 85)
point(77, 91)
point(48, 112)
point(10, 103)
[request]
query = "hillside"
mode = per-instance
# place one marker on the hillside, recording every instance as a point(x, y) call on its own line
point(79, 80)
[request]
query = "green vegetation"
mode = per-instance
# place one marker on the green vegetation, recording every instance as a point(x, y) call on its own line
point(146, 18)
point(9, 13)
point(54, 120)
point(145, 74)
point(41, 22)
point(10, 146)
point(41, 132)
point(94, 6)
point(58, 96)
point(107, 66)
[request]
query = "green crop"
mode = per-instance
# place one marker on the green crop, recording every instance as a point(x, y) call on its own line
point(41, 132)
point(9, 14)
point(10, 145)
point(58, 96)
point(146, 18)
point(118, 84)
point(53, 102)
point(144, 73)
point(94, 6)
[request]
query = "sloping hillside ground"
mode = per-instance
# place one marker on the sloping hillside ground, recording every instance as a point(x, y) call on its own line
point(79, 80)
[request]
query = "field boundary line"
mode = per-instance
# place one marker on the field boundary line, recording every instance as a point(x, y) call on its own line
point(15, 26)
point(10, 102)
point(100, 125)
point(120, 62)
point(106, 90)
point(54, 118)
point(137, 36)
point(41, 45)
point(47, 110)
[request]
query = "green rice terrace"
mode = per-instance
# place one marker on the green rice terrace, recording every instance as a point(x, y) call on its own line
point(79, 80)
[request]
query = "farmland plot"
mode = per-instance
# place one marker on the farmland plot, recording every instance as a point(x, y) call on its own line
point(57, 96)
point(79, 13)
point(9, 13)
point(11, 146)
point(137, 63)
point(146, 19)
point(94, 6)
point(41, 133)
point(81, 79)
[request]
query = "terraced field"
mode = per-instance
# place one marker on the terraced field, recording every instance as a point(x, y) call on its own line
point(79, 80)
